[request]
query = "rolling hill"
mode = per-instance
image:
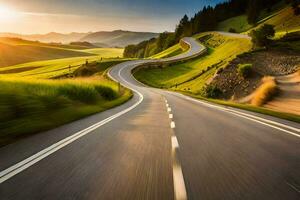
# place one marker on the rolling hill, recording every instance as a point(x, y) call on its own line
point(16, 51)
point(118, 38)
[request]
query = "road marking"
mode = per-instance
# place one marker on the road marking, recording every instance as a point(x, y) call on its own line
point(292, 186)
point(167, 105)
point(169, 109)
point(171, 116)
point(260, 120)
point(172, 124)
point(174, 142)
point(22, 165)
point(179, 185)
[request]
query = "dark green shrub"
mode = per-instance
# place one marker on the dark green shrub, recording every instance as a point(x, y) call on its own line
point(106, 92)
point(212, 91)
point(261, 37)
point(244, 70)
point(232, 30)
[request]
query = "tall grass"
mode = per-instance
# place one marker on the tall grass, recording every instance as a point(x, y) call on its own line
point(29, 105)
point(265, 92)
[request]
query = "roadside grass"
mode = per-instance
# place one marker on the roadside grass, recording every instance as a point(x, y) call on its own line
point(248, 107)
point(265, 92)
point(172, 51)
point(96, 67)
point(29, 106)
point(193, 75)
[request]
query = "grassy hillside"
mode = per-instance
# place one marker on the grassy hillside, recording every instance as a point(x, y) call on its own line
point(16, 51)
point(172, 51)
point(239, 24)
point(192, 75)
point(106, 52)
point(282, 18)
point(59, 67)
point(40, 104)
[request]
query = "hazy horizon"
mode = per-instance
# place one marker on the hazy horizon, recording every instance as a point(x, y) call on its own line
point(36, 17)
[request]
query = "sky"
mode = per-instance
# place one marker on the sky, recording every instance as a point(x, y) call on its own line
point(64, 16)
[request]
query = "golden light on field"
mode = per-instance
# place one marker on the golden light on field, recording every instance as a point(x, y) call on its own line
point(7, 14)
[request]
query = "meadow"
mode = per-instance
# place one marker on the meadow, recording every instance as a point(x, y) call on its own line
point(192, 75)
point(59, 67)
point(48, 92)
point(33, 105)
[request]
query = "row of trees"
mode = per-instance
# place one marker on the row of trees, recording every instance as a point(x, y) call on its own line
point(204, 20)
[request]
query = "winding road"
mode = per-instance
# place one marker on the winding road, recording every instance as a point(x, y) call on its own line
point(159, 145)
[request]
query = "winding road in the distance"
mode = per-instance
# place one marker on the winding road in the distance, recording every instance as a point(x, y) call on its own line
point(159, 145)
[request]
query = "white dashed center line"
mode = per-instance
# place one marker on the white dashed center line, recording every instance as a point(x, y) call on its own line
point(179, 185)
point(172, 124)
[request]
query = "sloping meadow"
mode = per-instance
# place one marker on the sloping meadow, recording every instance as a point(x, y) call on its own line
point(29, 105)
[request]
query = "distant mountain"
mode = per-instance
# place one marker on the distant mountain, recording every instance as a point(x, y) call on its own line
point(49, 37)
point(118, 38)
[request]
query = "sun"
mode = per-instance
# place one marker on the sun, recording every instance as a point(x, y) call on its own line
point(7, 14)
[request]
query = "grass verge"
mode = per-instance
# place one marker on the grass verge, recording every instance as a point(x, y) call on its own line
point(30, 106)
point(281, 115)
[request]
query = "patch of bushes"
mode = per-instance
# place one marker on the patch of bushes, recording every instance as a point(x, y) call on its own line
point(244, 70)
point(261, 37)
point(232, 30)
point(212, 91)
point(265, 92)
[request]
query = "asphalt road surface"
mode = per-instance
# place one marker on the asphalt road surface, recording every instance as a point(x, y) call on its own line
point(159, 145)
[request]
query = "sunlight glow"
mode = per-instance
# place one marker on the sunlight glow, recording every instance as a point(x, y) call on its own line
point(7, 14)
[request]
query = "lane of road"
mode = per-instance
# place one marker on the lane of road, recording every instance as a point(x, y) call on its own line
point(159, 145)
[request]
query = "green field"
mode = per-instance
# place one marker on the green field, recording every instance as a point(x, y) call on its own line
point(192, 75)
point(58, 67)
point(283, 19)
point(172, 51)
point(106, 52)
point(239, 24)
point(29, 105)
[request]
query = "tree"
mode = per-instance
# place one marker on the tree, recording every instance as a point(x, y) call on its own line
point(262, 36)
point(253, 11)
point(296, 6)
point(179, 32)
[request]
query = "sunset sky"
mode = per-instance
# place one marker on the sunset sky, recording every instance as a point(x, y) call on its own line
point(39, 16)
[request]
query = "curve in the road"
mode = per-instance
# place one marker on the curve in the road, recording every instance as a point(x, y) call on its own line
point(146, 98)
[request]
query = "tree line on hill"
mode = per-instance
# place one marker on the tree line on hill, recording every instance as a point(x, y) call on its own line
point(204, 20)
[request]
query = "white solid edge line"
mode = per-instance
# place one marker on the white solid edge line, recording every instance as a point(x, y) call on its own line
point(248, 116)
point(20, 166)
